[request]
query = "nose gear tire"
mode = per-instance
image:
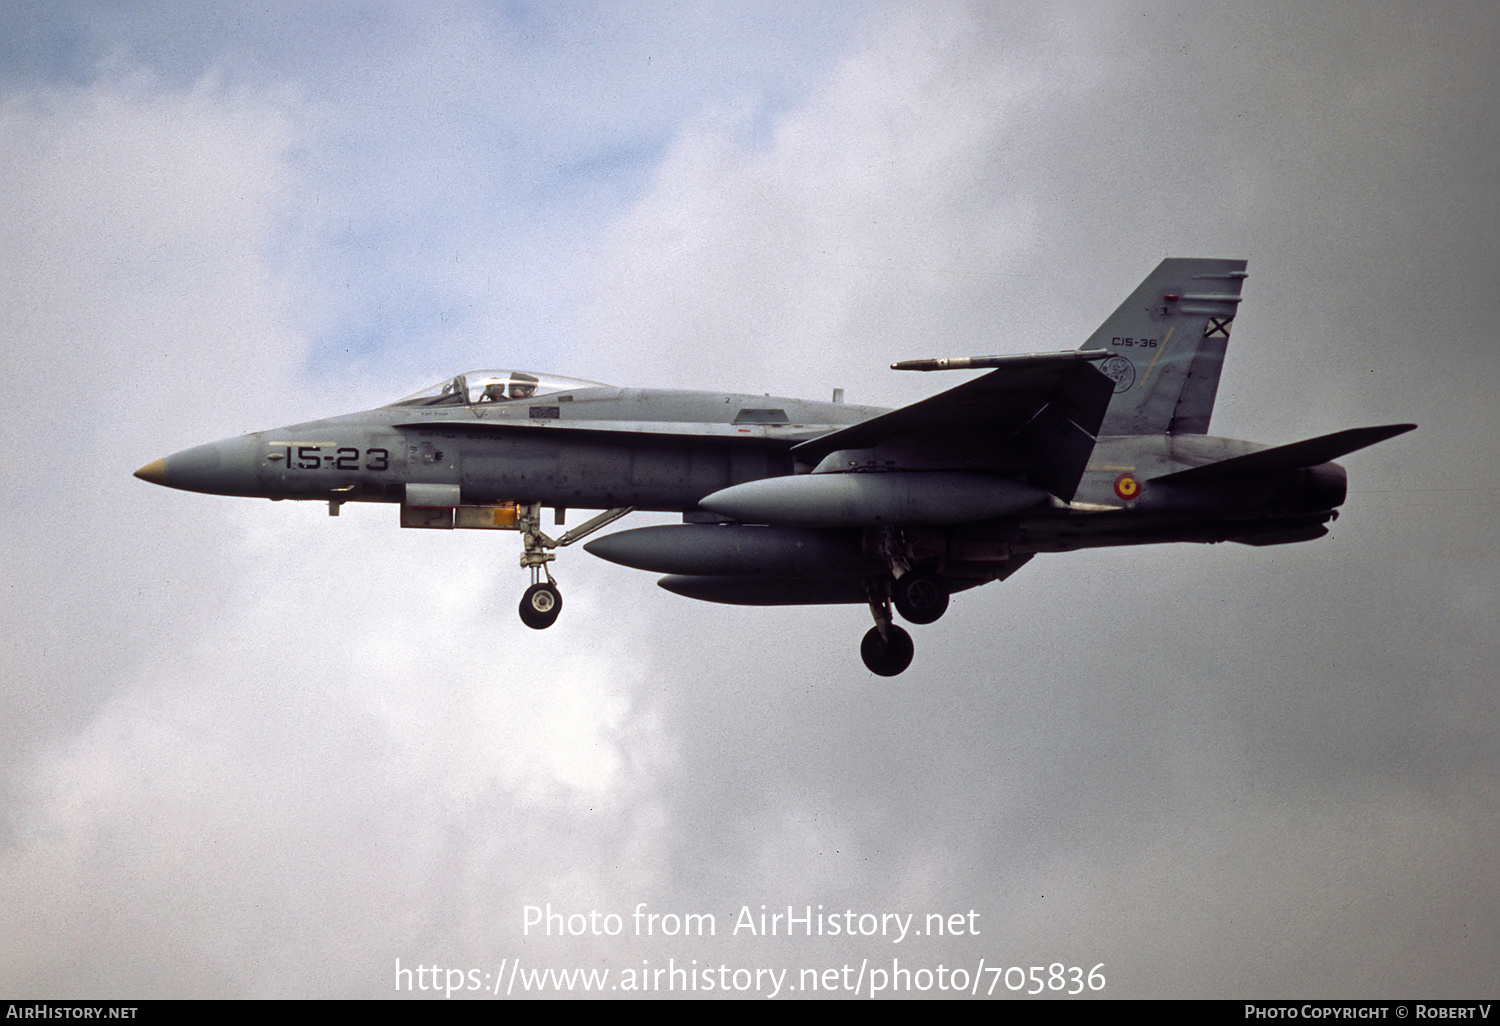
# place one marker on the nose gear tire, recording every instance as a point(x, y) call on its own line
point(540, 606)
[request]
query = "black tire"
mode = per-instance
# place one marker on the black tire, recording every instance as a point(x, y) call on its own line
point(919, 598)
point(540, 606)
point(887, 656)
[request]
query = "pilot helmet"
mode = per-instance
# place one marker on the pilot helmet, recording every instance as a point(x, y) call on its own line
point(522, 385)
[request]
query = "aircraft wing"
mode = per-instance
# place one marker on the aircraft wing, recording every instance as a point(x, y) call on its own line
point(1281, 458)
point(1047, 406)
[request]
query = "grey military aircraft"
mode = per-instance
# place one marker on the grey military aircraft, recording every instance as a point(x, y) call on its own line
point(790, 502)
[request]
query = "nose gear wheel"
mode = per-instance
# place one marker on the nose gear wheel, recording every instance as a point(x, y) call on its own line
point(540, 605)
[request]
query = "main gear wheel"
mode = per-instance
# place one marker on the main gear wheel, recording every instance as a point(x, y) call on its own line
point(887, 653)
point(919, 598)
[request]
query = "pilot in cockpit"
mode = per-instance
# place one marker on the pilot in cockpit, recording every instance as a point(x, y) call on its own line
point(522, 386)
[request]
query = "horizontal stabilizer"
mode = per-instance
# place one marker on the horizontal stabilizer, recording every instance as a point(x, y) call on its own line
point(1308, 453)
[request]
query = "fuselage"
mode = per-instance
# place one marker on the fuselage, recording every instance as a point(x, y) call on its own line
point(593, 448)
point(602, 447)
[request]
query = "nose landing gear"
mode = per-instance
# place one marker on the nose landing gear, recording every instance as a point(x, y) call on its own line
point(542, 602)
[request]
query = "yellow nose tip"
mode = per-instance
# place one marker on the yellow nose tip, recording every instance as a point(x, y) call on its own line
point(155, 472)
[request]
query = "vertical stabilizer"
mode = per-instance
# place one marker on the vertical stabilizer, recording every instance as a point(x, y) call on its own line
point(1166, 345)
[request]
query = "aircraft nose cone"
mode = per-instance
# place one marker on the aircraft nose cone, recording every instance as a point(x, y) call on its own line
point(230, 467)
point(155, 472)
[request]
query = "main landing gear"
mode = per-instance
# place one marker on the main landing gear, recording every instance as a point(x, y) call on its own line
point(918, 596)
point(542, 602)
point(887, 649)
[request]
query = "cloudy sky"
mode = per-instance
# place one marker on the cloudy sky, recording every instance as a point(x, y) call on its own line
point(247, 750)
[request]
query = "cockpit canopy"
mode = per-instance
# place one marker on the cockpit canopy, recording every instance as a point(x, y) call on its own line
point(493, 386)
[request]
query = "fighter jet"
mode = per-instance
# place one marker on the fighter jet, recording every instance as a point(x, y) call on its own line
point(793, 502)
